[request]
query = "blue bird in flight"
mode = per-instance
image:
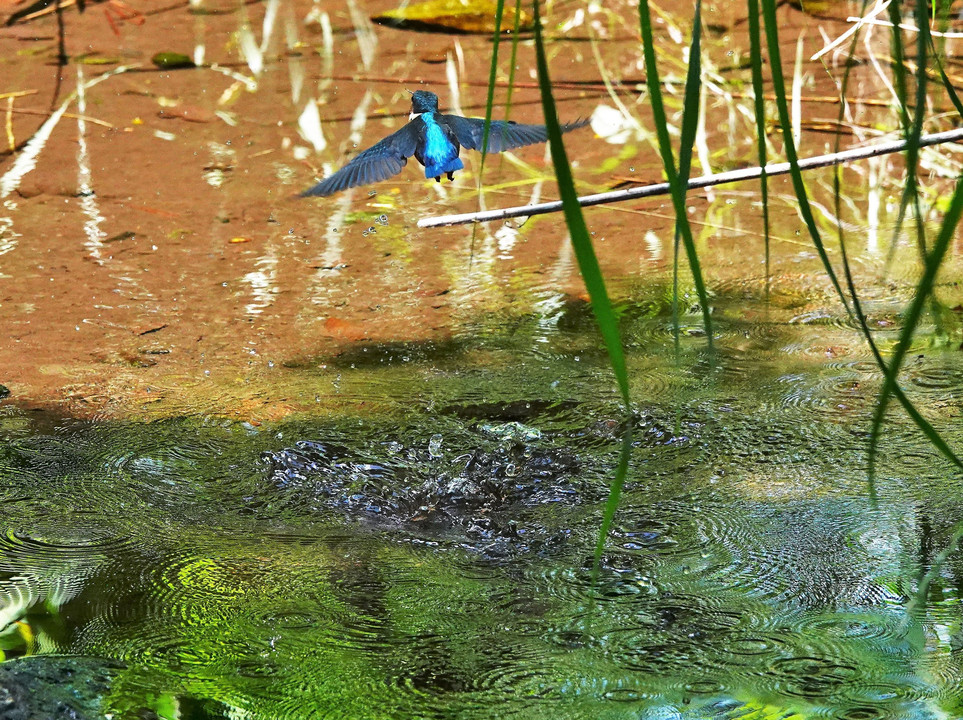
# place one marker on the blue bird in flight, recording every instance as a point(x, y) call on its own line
point(435, 140)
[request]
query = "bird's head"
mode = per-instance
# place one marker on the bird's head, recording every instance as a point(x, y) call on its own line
point(423, 101)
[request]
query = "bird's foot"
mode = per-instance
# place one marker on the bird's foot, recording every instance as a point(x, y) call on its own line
point(438, 178)
point(451, 174)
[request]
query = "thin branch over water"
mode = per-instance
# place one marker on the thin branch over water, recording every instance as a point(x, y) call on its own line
point(695, 183)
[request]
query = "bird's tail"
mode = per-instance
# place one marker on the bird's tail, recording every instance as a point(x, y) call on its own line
point(439, 169)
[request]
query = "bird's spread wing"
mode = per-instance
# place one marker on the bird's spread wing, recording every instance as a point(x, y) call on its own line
point(379, 162)
point(502, 135)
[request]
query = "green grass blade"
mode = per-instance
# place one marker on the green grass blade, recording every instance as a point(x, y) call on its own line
point(581, 241)
point(899, 64)
point(755, 59)
point(489, 106)
point(948, 85)
point(912, 127)
point(779, 89)
point(911, 189)
point(678, 187)
point(514, 59)
point(690, 125)
point(690, 104)
point(589, 268)
point(615, 492)
point(492, 77)
point(772, 41)
point(911, 318)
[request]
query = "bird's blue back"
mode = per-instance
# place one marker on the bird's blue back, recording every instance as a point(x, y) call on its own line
point(439, 154)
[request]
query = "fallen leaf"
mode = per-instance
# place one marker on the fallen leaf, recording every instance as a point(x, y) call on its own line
point(462, 16)
point(172, 60)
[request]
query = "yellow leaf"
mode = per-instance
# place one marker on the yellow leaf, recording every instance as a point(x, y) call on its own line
point(461, 16)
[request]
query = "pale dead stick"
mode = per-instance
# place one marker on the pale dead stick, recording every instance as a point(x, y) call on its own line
point(72, 116)
point(859, 22)
point(908, 28)
point(870, 19)
point(10, 96)
point(699, 182)
point(11, 140)
point(18, 93)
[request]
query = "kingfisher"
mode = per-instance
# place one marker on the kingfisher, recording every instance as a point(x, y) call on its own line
point(435, 140)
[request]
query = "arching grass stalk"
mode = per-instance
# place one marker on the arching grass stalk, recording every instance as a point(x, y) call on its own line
point(859, 315)
point(932, 260)
point(779, 90)
point(755, 59)
point(489, 105)
point(912, 127)
point(913, 148)
point(690, 126)
point(492, 75)
point(513, 60)
point(677, 184)
point(936, 566)
point(591, 274)
point(490, 100)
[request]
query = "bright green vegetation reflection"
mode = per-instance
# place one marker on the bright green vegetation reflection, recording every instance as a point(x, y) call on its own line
point(433, 557)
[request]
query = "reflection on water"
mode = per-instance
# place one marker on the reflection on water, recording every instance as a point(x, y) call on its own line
point(262, 282)
point(8, 237)
point(85, 187)
point(434, 559)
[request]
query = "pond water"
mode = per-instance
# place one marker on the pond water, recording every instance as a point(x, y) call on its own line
point(265, 457)
point(434, 558)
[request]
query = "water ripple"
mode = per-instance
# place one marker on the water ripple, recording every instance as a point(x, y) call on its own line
point(936, 381)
